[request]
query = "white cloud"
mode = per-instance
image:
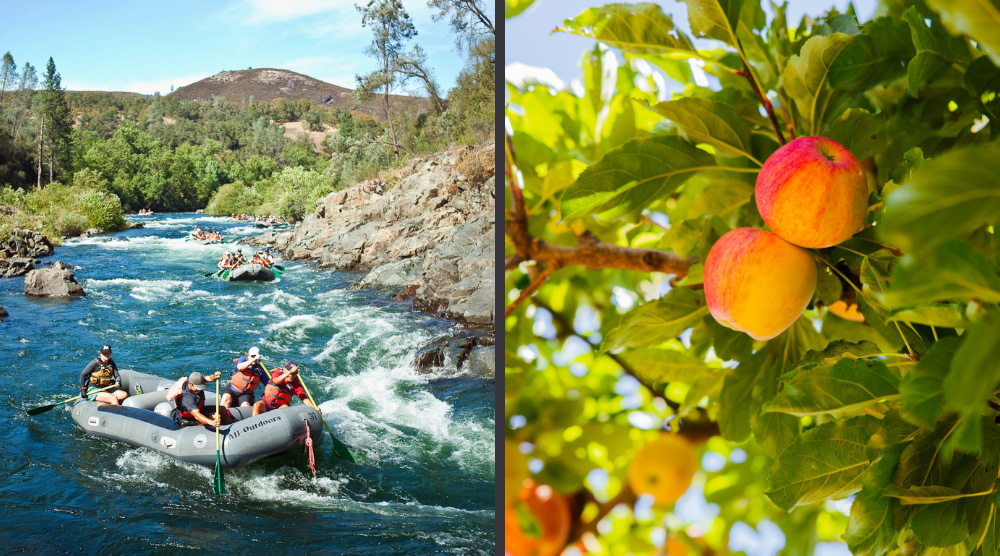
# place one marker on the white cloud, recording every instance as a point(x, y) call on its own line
point(265, 11)
point(162, 85)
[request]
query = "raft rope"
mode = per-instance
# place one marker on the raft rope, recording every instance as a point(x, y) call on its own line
point(309, 448)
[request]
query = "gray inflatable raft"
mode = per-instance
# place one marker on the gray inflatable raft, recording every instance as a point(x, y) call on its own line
point(143, 420)
point(251, 272)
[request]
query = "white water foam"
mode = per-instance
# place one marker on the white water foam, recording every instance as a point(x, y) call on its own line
point(144, 290)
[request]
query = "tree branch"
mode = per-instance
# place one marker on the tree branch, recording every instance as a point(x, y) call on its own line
point(748, 73)
point(589, 251)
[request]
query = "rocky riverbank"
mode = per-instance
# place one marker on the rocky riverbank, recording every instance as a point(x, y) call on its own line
point(425, 232)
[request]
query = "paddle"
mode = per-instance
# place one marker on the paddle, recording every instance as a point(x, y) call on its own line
point(216, 273)
point(339, 448)
point(225, 274)
point(44, 408)
point(220, 486)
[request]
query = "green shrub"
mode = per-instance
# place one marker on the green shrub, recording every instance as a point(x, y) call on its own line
point(103, 210)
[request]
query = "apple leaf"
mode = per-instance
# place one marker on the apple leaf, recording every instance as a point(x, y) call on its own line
point(735, 412)
point(870, 529)
point(657, 321)
point(704, 121)
point(925, 494)
point(715, 19)
point(658, 366)
point(863, 133)
point(954, 193)
point(976, 19)
point(805, 78)
point(938, 315)
point(635, 28)
point(922, 389)
point(822, 463)
point(515, 7)
point(846, 387)
point(828, 285)
point(936, 52)
point(982, 79)
point(629, 178)
point(878, 55)
point(975, 372)
point(951, 270)
point(875, 312)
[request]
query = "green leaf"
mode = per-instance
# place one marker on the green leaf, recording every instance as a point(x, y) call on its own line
point(976, 19)
point(823, 463)
point(657, 321)
point(870, 529)
point(925, 495)
point(936, 52)
point(838, 350)
point(878, 55)
point(715, 19)
point(862, 245)
point(945, 316)
point(941, 524)
point(641, 29)
point(955, 193)
point(629, 178)
point(514, 7)
point(911, 159)
point(952, 270)
point(659, 366)
point(922, 389)
point(870, 304)
point(923, 461)
point(729, 343)
point(975, 371)
point(828, 285)
point(863, 133)
point(735, 411)
point(982, 79)
point(704, 121)
point(846, 387)
point(805, 78)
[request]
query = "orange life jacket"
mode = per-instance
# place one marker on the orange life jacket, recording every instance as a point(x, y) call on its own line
point(245, 381)
point(276, 395)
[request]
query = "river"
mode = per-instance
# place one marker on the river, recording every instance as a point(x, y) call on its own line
point(424, 481)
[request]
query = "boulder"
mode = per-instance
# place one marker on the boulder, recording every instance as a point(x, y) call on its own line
point(23, 243)
point(3, 314)
point(52, 282)
point(16, 267)
point(394, 276)
point(481, 362)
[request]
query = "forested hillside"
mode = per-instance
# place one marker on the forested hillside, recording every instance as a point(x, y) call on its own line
point(128, 152)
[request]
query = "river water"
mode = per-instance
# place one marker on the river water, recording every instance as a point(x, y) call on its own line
point(424, 481)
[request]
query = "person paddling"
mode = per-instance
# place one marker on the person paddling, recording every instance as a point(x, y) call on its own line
point(247, 375)
point(189, 402)
point(278, 393)
point(100, 373)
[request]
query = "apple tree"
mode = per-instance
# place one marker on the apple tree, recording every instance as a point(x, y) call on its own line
point(872, 418)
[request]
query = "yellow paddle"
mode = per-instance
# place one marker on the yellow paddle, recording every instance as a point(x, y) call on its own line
point(339, 448)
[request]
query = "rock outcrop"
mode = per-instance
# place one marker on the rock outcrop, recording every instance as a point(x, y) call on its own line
point(429, 236)
point(26, 244)
point(57, 281)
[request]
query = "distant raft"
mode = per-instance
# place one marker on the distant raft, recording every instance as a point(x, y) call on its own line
point(143, 420)
point(251, 271)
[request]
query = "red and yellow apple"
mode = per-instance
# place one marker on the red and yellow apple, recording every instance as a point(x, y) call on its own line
point(813, 192)
point(663, 468)
point(548, 533)
point(758, 283)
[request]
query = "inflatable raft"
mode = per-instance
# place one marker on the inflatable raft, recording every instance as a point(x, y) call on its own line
point(206, 241)
point(251, 271)
point(143, 420)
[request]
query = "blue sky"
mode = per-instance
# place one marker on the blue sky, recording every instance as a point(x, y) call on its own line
point(147, 45)
point(529, 42)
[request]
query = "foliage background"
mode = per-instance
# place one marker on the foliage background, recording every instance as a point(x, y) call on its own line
point(892, 417)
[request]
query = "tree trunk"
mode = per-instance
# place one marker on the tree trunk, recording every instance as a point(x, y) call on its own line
point(392, 130)
point(41, 134)
point(52, 155)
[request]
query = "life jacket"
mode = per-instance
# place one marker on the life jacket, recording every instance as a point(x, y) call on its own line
point(243, 383)
point(276, 395)
point(186, 413)
point(103, 376)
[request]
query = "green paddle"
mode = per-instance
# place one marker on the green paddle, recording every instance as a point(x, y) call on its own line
point(45, 408)
point(219, 483)
point(225, 274)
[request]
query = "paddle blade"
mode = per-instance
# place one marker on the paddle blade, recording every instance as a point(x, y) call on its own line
point(219, 484)
point(39, 410)
point(340, 449)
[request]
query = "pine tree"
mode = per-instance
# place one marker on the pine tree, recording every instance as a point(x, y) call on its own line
point(56, 122)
